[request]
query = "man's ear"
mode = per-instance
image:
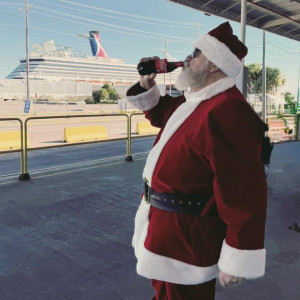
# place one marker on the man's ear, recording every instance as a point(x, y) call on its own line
point(214, 69)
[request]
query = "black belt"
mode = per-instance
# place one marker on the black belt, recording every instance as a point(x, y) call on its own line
point(179, 203)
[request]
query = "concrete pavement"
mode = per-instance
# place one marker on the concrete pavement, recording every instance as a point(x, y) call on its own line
point(66, 233)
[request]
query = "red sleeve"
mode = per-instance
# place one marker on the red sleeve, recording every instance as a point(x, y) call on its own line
point(160, 114)
point(240, 188)
point(157, 109)
point(239, 184)
point(135, 90)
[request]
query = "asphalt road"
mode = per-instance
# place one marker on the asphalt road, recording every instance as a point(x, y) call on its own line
point(57, 157)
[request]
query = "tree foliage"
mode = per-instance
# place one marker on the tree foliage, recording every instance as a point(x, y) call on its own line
point(290, 102)
point(289, 98)
point(106, 93)
point(274, 79)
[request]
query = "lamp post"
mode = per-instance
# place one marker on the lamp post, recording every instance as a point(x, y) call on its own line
point(27, 52)
point(75, 80)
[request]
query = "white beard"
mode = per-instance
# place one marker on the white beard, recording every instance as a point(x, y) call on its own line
point(188, 79)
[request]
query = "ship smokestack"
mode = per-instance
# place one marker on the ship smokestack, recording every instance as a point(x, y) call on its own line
point(96, 46)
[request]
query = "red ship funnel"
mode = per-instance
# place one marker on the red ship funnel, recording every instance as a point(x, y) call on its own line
point(96, 46)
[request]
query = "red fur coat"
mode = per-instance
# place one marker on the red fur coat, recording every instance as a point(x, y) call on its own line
point(209, 143)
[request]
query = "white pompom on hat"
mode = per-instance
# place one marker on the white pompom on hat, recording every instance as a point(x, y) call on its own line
point(221, 47)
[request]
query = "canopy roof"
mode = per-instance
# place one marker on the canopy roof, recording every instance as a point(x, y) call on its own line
point(281, 17)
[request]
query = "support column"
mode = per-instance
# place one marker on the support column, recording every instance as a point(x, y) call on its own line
point(243, 20)
point(264, 106)
point(243, 39)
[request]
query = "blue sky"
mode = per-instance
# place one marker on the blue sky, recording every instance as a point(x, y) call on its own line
point(130, 29)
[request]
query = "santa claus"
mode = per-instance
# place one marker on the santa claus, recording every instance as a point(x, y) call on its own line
point(204, 208)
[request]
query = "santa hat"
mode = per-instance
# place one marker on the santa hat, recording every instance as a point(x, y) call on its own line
point(221, 47)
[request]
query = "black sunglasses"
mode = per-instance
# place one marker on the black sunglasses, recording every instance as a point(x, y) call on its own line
point(195, 53)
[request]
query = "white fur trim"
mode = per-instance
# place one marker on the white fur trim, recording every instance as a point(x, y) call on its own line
point(219, 54)
point(242, 263)
point(146, 100)
point(180, 115)
point(154, 266)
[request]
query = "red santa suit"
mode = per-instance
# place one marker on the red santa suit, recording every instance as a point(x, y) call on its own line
point(209, 143)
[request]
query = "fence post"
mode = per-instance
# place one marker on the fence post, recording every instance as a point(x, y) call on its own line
point(21, 144)
point(297, 125)
point(23, 176)
point(128, 154)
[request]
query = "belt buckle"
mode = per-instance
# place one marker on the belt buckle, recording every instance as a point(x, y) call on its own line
point(147, 191)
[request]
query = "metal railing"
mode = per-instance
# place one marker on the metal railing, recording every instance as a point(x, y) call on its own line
point(287, 129)
point(26, 149)
point(129, 158)
point(21, 150)
point(24, 135)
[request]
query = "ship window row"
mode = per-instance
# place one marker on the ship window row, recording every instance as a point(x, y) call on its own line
point(82, 74)
point(99, 69)
point(46, 68)
point(121, 79)
point(93, 67)
point(51, 70)
point(91, 64)
point(77, 65)
point(86, 75)
point(78, 74)
point(44, 72)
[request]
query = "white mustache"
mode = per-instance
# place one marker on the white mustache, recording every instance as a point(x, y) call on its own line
point(186, 64)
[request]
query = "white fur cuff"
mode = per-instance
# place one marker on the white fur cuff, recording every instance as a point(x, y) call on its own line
point(219, 54)
point(242, 263)
point(154, 266)
point(146, 100)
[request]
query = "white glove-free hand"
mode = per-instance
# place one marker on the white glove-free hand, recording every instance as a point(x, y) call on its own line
point(148, 81)
point(229, 280)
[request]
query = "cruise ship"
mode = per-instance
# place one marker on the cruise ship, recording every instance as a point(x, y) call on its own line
point(51, 62)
